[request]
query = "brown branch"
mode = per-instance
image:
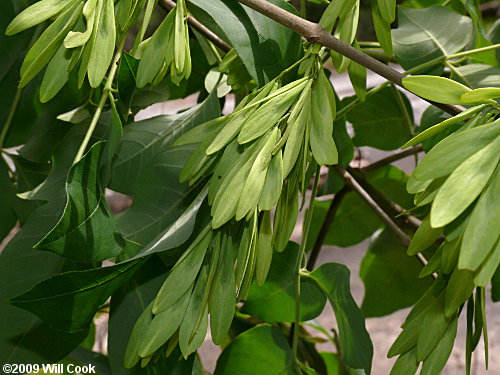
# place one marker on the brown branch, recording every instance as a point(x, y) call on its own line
point(314, 33)
point(354, 185)
point(391, 158)
point(198, 26)
point(325, 226)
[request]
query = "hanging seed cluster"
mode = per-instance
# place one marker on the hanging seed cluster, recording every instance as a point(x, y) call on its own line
point(459, 179)
point(256, 159)
point(167, 51)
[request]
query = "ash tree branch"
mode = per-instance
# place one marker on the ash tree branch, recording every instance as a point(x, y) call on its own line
point(314, 33)
point(354, 185)
point(325, 226)
point(391, 158)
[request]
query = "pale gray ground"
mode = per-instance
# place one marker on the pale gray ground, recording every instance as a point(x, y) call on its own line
point(383, 331)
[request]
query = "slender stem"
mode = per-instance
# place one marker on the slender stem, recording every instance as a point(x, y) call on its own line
point(325, 226)
point(391, 158)
point(351, 181)
point(314, 33)
point(449, 57)
point(404, 110)
point(298, 265)
point(348, 108)
point(17, 97)
point(104, 97)
point(10, 116)
point(198, 26)
point(303, 9)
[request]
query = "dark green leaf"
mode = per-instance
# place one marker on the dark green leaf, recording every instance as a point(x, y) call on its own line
point(390, 276)
point(355, 343)
point(7, 200)
point(261, 350)
point(68, 301)
point(23, 337)
point(265, 47)
point(379, 121)
point(478, 75)
point(428, 33)
point(86, 231)
point(274, 301)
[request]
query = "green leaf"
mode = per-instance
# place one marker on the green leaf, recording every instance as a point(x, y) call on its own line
point(127, 304)
point(379, 121)
point(355, 342)
point(438, 89)
point(69, 301)
point(126, 83)
point(264, 350)
point(478, 75)
point(274, 301)
point(104, 44)
point(250, 34)
point(143, 140)
point(390, 276)
point(24, 337)
point(464, 185)
point(35, 14)
point(483, 228)
point(86, 231)
point(7, 197)
point(480, 95)
point(429, 33)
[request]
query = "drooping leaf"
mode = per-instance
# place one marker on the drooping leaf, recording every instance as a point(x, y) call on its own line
point(390, 276)
point(263, 349)
point(86, 231)
point(24, 337)
point(69, 301)
point(274, 301)
point(355, 342)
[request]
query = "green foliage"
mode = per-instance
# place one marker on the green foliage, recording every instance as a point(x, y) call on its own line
point(216, 196)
